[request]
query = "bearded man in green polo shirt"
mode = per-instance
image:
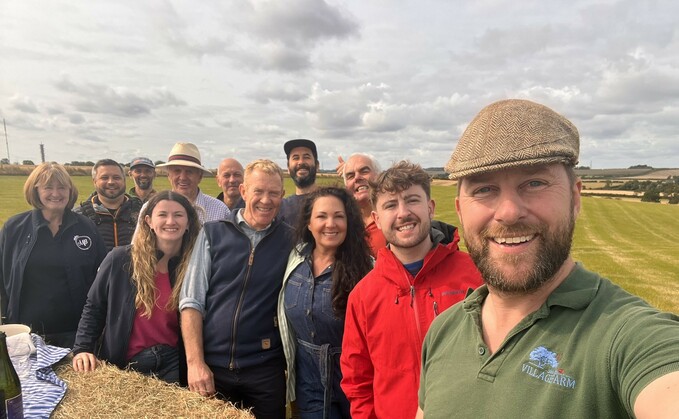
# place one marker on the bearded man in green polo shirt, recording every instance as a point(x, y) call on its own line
point(543, 337)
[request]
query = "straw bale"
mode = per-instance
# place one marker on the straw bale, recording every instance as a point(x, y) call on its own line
point(110, 392)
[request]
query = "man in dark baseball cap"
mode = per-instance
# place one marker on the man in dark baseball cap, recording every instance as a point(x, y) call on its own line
point(302, 158)
point(543, 335)
point(143, 172)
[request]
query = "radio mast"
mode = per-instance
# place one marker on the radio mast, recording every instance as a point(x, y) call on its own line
point(6, 140)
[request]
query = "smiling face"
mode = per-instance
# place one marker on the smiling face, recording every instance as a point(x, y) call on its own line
point(185, 180)
point(109, 182)
point(302, 167)
point(328, 223)
point(169, 221)
point(405, 219)
point(143, 177)
point(358, 171)
point(53, 196)
point(262, 193)
point(518, 224)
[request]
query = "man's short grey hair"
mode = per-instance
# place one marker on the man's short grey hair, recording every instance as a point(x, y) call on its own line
point(373, 163)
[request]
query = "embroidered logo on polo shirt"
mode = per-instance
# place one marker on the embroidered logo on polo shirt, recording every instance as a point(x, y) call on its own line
point(83, 242)
point(543, 365)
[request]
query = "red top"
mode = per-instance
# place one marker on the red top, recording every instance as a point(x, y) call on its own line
point(376, 240)
point(388, 313)
point(161, 328)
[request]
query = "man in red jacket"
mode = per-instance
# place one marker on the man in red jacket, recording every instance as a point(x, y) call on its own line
point(388, 313)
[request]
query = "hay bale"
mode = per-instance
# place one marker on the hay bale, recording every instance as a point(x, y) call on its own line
point(110, 392)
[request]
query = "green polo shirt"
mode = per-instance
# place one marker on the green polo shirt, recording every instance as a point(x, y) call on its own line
point(587, 352)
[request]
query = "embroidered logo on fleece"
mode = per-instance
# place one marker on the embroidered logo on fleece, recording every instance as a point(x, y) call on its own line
point(543, 365)
point(83, 242)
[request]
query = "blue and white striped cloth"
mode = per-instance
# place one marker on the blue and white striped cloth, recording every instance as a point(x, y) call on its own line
point(41, 387)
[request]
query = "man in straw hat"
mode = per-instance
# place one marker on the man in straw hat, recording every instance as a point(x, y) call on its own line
point(544, 336)
point(185, 172)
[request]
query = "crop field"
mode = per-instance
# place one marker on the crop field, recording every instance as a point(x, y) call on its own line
point(634, 244)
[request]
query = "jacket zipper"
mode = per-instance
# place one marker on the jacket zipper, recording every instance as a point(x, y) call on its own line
point(236, 316)
point(413, 304)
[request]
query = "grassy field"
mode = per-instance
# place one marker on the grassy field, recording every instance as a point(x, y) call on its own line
point(635, 244)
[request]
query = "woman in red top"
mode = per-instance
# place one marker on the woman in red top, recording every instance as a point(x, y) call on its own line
point(133, 300)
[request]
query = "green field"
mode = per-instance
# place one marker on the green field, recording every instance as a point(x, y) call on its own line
point(635, 244)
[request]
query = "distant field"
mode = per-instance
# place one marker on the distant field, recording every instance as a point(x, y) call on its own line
point(635, 244)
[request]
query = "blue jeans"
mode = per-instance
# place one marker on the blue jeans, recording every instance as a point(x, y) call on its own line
point(319, 395)
point(159, 360)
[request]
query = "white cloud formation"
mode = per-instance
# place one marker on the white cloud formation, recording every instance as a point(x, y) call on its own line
point(396, 79)
point(115, 100)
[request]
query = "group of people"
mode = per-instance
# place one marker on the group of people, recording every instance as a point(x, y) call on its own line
point(338, 300)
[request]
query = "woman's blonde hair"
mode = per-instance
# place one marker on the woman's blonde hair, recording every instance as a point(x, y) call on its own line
point(44, 174)
point(145, 257)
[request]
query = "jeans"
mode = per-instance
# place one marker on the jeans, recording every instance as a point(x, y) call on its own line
point(319, 395)
point(159, 360)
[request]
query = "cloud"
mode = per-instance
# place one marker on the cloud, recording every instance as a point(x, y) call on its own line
point(23, 104)
point(271, 91)
point(118, 101)
point(341, 111)
point(256, 34)
point(300, 22)
point(375, 108)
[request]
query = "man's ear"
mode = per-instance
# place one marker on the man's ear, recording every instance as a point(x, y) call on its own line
point(376, 219)
point(577, 188)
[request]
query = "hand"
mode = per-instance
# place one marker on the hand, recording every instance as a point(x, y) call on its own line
point(340, 166)
point(200, 379)
point(85, 361)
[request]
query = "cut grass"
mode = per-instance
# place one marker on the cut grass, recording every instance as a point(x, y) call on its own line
point(634, 244)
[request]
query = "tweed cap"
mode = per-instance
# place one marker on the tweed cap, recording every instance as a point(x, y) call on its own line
point(512, 133)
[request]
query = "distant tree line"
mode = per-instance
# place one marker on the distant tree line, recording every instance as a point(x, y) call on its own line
point(79, 163)
point(653, 190)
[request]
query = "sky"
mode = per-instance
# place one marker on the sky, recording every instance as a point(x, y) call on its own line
point(393, 78)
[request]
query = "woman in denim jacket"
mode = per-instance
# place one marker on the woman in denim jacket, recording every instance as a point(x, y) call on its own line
point(331, 257)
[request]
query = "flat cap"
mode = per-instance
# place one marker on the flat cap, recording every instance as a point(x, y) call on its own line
point(511, 133)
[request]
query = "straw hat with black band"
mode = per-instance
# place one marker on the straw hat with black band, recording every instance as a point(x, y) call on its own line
point(185, 154)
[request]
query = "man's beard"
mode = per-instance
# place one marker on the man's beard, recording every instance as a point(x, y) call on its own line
point(143, 184)
point(109, 194)
point(552, 252)
point(307, 181)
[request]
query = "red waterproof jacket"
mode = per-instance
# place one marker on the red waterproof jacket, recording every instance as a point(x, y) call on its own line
point(388, 314)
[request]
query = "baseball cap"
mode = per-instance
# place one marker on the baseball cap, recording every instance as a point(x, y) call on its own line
point(300, 142)
point(142, 161)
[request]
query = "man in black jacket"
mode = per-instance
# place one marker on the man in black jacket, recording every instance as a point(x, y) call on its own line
point(114, 212)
